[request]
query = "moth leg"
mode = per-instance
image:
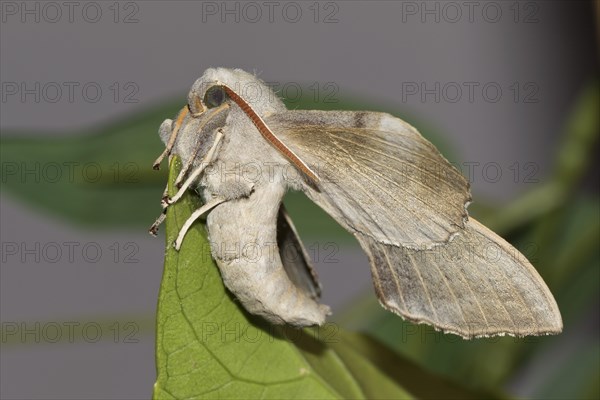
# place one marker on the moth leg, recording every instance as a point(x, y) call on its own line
point(184, 111)
point(211, 114)
point(195, 215)
point(207, 159)
point(186, 168)
point(154, 227)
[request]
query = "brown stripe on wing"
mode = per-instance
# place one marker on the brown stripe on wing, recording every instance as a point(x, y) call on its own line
point(270, 136)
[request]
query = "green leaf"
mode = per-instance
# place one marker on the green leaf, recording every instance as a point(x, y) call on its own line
point(415, 380)
point(207, 345)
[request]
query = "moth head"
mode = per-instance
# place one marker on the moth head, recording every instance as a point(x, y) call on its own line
point(211, 91)
point(213, 104)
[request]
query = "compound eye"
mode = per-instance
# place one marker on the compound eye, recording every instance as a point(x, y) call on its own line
point(215, 96)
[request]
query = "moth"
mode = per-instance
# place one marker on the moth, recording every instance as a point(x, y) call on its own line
point(242, 150)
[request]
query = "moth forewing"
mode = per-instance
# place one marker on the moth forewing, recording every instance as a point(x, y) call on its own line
point(380, 177)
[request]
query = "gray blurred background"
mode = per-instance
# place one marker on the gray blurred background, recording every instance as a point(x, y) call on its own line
point(518, 67)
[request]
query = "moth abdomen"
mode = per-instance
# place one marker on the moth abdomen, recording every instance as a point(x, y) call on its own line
point(250, 263)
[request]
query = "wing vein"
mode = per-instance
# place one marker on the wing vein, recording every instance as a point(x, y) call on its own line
point(462, 313)
point(396, 281)
point(431, 188)
point(466, 281)
point(365, 212)
point(518, 295)
point(413, 264)
point(499, 299)
point(422, 200)
point(397, 146)
point(384, 208)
